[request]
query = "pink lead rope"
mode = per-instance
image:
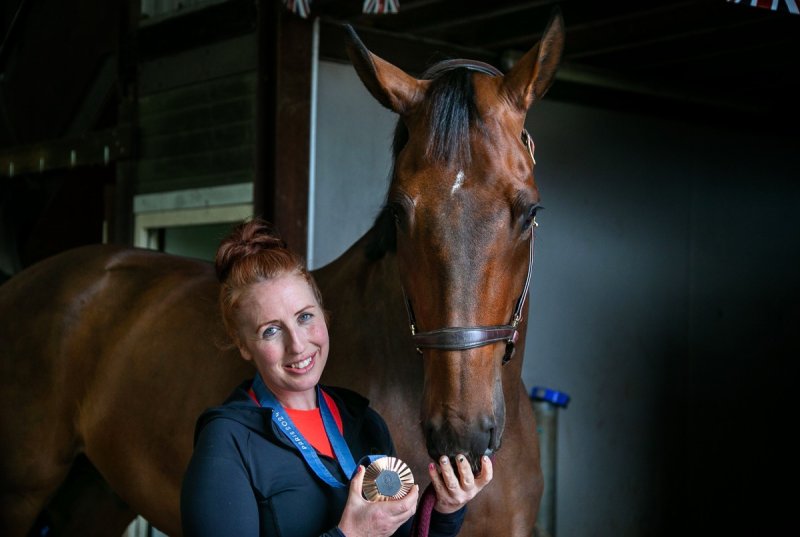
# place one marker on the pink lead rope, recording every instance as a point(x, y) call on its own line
point(422, 522)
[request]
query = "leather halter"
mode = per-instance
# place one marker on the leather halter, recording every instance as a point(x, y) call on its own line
point(472, 65)
point(457, 338)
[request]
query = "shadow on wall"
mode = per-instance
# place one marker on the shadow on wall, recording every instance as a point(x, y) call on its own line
point(49, 213)
point(739, 446)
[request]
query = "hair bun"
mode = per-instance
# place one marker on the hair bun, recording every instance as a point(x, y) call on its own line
point(245, 240)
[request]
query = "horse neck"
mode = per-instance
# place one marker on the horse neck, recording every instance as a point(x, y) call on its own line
point(368, 328)
point(353, 274)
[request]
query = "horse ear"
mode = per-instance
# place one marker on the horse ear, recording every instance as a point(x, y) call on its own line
point(532, 75)
point(390, 85)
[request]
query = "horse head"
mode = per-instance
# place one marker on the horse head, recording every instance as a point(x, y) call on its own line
point(460, 215)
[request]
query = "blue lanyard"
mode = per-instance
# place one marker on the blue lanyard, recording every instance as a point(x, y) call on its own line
point(284, 423)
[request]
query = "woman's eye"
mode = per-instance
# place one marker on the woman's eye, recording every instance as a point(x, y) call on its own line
point(269, 332)
point(305, 317)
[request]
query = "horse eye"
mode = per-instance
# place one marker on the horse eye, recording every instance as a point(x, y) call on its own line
point(401, 210)
point(397, 214)
point(530, 218)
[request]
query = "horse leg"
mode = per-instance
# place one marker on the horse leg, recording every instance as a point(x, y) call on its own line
point(40, 442)
point(84, 506)
point(28, 478)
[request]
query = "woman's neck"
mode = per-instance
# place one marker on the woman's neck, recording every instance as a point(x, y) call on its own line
point(298, 400)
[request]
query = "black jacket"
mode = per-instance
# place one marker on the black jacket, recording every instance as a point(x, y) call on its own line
point(246, 478)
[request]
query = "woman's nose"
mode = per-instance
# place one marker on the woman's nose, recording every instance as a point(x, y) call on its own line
point(296, 341)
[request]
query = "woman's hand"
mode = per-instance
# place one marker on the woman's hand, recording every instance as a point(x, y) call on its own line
point(455, 488)
point(362, 518)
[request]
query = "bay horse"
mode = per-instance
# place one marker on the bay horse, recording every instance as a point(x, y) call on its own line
point(108, 354)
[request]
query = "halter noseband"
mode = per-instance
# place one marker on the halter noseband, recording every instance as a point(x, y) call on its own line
point(458, 338)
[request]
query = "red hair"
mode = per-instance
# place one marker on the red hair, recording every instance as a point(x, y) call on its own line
point(254, 252)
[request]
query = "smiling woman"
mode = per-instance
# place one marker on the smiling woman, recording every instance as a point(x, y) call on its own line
point(278, 457)
point(281, 328)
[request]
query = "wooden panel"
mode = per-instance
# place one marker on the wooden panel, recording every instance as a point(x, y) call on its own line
point(205, 62)
point(202, 169)
point(284, 113)
point(197, 135)
point(57, 48)
point(224, 136)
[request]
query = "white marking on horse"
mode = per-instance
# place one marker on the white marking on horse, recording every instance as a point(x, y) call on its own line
point(459, 181)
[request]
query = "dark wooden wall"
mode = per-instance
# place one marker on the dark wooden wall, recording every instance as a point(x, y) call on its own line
point(98, 104)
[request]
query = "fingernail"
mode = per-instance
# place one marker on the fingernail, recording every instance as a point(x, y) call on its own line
point(444, 460)
point(431, 466)
point(461, 458)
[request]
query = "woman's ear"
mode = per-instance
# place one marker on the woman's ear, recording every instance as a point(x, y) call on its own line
point(244, 351)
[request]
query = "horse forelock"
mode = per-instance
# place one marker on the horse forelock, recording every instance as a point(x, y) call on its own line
point(450, 112)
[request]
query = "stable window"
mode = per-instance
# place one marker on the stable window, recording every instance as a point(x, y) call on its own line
point(190, 223)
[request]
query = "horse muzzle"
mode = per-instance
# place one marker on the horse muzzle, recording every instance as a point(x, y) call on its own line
point(447, 438)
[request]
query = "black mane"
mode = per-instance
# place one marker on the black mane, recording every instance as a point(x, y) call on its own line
point(450, 107)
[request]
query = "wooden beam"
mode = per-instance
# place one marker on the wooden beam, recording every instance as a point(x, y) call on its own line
point(283, 115)
point(90, 149)
point(480, 17)
point(411, 53)
point(119, 196)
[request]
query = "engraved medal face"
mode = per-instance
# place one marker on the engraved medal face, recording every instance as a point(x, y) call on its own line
point(388, 478)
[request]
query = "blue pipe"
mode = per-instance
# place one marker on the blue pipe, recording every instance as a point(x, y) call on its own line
point(546, 403)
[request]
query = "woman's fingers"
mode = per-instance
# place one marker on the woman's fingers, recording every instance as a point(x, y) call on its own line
point(449, 476)
point(357, 482)
point(455, 483)
point(465, 472)
point(487, 472)
point(406, 506)
point(362, 517)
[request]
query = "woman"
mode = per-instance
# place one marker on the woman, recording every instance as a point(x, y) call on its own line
point(277, 458)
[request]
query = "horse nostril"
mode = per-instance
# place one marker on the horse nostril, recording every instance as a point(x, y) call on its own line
point(487, 423)
point(493, 441)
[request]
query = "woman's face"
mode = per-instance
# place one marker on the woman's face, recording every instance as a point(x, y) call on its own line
point(282, 330)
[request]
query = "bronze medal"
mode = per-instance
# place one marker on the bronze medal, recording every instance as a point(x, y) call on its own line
point(388, 478)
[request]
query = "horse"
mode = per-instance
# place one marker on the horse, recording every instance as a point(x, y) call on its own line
point(110, 353)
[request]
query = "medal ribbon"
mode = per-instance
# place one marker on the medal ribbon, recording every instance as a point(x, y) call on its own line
point(279, 417)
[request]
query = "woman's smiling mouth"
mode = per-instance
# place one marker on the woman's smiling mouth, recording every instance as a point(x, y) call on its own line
point(303, 365)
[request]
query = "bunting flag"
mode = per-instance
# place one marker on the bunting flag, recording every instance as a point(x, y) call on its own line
point(774, 5)
point(380, 7)
point(302, 8)
point(298, 7)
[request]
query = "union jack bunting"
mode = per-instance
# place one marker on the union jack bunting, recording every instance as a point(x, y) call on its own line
point(774, 5)
point(380, 6)
point(298, 7)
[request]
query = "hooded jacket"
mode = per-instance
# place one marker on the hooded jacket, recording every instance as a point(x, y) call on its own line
point(246, 478)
